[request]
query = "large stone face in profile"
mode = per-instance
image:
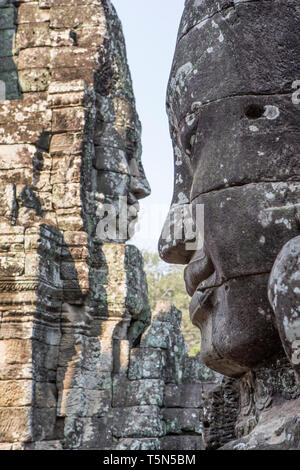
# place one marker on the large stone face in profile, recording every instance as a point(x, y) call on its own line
point(81, 366)
point(235, 133)
point(235, 128)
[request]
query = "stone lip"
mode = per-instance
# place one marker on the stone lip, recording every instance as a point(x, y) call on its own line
point(199, 269)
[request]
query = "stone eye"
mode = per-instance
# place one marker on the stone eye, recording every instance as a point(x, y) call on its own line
point(254, 111)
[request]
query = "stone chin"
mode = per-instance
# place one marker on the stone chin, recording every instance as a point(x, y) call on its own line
point(236, 324)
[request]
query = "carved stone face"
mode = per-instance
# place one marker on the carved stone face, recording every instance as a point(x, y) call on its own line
point(117, 167)
point(235, 136)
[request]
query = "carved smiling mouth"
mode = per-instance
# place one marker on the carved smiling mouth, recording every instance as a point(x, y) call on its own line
point(199, 270)
point(200, 281)
point(133, 210)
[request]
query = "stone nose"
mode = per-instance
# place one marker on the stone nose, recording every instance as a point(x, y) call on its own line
point(139, 185)
point(176, 245)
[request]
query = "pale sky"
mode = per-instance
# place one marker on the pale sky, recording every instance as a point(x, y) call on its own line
point(150, 29)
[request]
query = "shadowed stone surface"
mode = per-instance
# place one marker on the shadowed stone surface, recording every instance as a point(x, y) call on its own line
point(284, 295)
point(235, 126)
point(84, 365)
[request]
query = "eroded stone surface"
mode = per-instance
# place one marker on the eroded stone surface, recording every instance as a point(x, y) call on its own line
point(284, 295)
point(83, 363)
point(234, 125)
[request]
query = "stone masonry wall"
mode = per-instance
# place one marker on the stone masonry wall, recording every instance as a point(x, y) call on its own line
point(159, 401)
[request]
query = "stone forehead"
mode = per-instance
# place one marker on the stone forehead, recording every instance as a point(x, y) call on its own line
point(196, 11)
point(217, 52)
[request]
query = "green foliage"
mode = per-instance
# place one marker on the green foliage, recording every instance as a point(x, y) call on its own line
point(195, 350)
point(166, 282)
